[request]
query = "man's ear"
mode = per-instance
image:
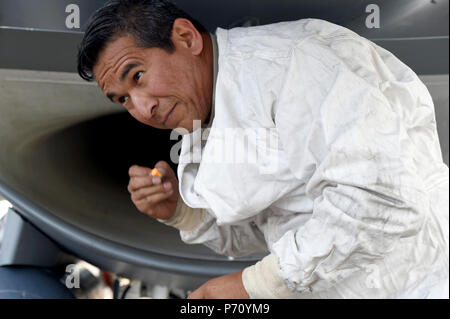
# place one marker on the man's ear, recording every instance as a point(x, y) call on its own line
point(186, 36)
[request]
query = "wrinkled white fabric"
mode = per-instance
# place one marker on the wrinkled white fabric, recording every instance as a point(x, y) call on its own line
point(356, 204)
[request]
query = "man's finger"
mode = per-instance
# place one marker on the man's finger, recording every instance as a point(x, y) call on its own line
point(197, 294)
point(139, 182)
point(162, 170)
point(136, 170)
point(162, 164)
point(147, 191)
point(152, 200)
point(158, 197)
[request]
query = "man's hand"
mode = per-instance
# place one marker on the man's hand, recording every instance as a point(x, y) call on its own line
point(224, 287)
point(151, 195)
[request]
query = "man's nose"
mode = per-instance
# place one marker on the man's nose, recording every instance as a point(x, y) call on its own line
point(145, 104)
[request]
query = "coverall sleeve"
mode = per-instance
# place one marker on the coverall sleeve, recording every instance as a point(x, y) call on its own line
point(351, 146)
point(197, 226)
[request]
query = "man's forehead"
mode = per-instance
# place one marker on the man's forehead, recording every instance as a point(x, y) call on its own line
point(116, 53)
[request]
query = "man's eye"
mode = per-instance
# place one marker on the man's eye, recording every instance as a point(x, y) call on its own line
point(122, 99)
point(138, 75)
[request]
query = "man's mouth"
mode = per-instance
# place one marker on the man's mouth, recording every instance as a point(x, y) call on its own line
point(167, 118)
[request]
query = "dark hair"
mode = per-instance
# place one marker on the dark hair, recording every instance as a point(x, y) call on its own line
point(149, 22)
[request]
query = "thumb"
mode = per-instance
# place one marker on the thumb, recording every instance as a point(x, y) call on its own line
point(164, 168)
point(169, 179)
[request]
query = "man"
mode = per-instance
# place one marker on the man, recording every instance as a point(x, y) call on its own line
point(349, 193)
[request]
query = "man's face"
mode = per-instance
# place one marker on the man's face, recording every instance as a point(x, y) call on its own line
point(160, 89)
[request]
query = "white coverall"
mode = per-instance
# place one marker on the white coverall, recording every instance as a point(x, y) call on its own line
point(356, 204)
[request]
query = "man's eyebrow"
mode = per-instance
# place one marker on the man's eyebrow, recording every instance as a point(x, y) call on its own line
point(127, 70)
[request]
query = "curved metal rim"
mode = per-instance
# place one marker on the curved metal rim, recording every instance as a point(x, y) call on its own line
point(157, 261)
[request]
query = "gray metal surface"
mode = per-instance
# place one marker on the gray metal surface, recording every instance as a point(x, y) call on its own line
point(34, 36)
point(22, 244)
point(399, 18)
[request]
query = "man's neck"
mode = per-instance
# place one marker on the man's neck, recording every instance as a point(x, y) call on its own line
point(212, 48)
